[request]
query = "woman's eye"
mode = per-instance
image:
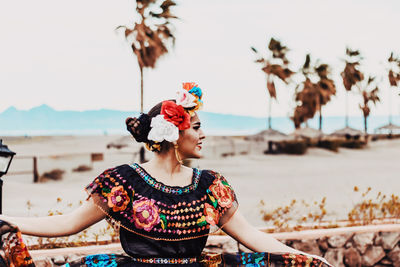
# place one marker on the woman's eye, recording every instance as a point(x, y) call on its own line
point(196, 127)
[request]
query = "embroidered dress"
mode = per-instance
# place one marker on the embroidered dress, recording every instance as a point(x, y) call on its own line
point(169, 225)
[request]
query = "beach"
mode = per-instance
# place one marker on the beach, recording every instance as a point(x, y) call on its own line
point(274, 179)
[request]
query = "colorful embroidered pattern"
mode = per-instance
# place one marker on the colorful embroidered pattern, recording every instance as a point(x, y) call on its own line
point(101, 260)
point(137, 203)
point(168, 189)
point(165, 260)
point(13, 247)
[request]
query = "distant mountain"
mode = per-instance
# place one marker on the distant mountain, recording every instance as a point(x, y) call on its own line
point(42, 119)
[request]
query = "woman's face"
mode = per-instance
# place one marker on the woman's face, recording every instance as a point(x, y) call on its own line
point(190, 140)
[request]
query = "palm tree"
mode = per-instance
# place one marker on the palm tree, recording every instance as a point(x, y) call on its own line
point(150, 37)
point(307, 97)
point(325, 88)
point(275, 67)
point(351, 75)
point(369, 92)
point(313, 95)
point(394, 79)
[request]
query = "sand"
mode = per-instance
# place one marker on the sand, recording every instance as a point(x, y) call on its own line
point(275, 179)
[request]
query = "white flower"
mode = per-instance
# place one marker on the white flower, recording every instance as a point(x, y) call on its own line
point(162, 129)
point(185, 99)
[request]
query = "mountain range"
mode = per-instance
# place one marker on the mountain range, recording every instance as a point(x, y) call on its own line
point(42, 119)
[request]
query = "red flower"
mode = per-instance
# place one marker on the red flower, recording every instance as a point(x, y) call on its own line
point(175, 114)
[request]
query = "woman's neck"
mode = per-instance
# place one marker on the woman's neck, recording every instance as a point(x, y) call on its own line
point(165, 165)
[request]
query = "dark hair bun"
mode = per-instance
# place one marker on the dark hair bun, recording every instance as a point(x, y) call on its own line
point(139, 127)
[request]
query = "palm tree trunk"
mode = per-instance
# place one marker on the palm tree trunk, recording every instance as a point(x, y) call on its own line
point(320, 118)
point(347, 109)
point(269, 112)
point(141, 89)
point(365, 125)
point(390, 104)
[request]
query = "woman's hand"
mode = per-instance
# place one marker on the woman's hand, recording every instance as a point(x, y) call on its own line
point(59, 225)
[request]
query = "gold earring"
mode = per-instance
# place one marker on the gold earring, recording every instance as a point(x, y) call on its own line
point(178, 158)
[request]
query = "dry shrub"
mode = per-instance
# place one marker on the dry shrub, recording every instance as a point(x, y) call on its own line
point(82, 168)
point(55, 175)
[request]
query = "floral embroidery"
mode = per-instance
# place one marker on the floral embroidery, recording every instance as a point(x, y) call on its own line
point(299, 260)
point(222, 192)
point(211, 214)
point(101, 260)
point(135, 205)
point(145, 213)
point(118, 198)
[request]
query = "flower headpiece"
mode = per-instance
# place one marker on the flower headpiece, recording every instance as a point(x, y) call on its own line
point(175, 117)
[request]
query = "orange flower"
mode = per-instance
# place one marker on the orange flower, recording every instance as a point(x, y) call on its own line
point(223, 193)
point(118, 198)
point(193, 89)
point(211, 214)
point(188, 86)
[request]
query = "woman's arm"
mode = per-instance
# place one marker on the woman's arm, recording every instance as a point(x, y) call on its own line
point(252, 238)
point(238, 228)
point(59, 225)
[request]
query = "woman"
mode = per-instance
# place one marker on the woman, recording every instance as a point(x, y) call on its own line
point(164, 210)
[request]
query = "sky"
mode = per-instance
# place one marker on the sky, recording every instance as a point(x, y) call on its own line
point(68, 55)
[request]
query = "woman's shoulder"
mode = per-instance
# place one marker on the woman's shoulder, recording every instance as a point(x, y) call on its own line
point(212, 174)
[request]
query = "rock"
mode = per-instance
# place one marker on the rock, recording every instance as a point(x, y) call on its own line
point(59, 259)
point(72, 257)
point(335, 257)
point(323, 244)
point(394, 256)
point(363, 241)
point(338, 241)
point(352, 258)
point(43, 262)
point(386, 261)
point(387, 240)
point(373, 255)
point(309, 246)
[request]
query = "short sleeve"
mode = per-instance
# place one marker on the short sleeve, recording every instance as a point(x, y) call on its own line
point(222, 201)
point(111, 194)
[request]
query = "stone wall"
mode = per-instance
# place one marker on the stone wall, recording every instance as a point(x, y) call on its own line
point(348, 248)
point(352, 249)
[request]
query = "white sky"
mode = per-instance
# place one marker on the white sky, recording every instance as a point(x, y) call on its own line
point(67, 54)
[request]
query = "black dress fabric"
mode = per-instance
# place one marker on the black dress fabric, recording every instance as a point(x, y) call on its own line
point(160, 221)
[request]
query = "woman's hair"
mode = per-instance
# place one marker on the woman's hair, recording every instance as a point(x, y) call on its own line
point(140, 127)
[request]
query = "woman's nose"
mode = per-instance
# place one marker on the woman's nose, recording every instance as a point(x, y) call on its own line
point(202, 136)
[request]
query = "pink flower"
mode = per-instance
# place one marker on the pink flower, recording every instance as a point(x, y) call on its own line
point(145, 213)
